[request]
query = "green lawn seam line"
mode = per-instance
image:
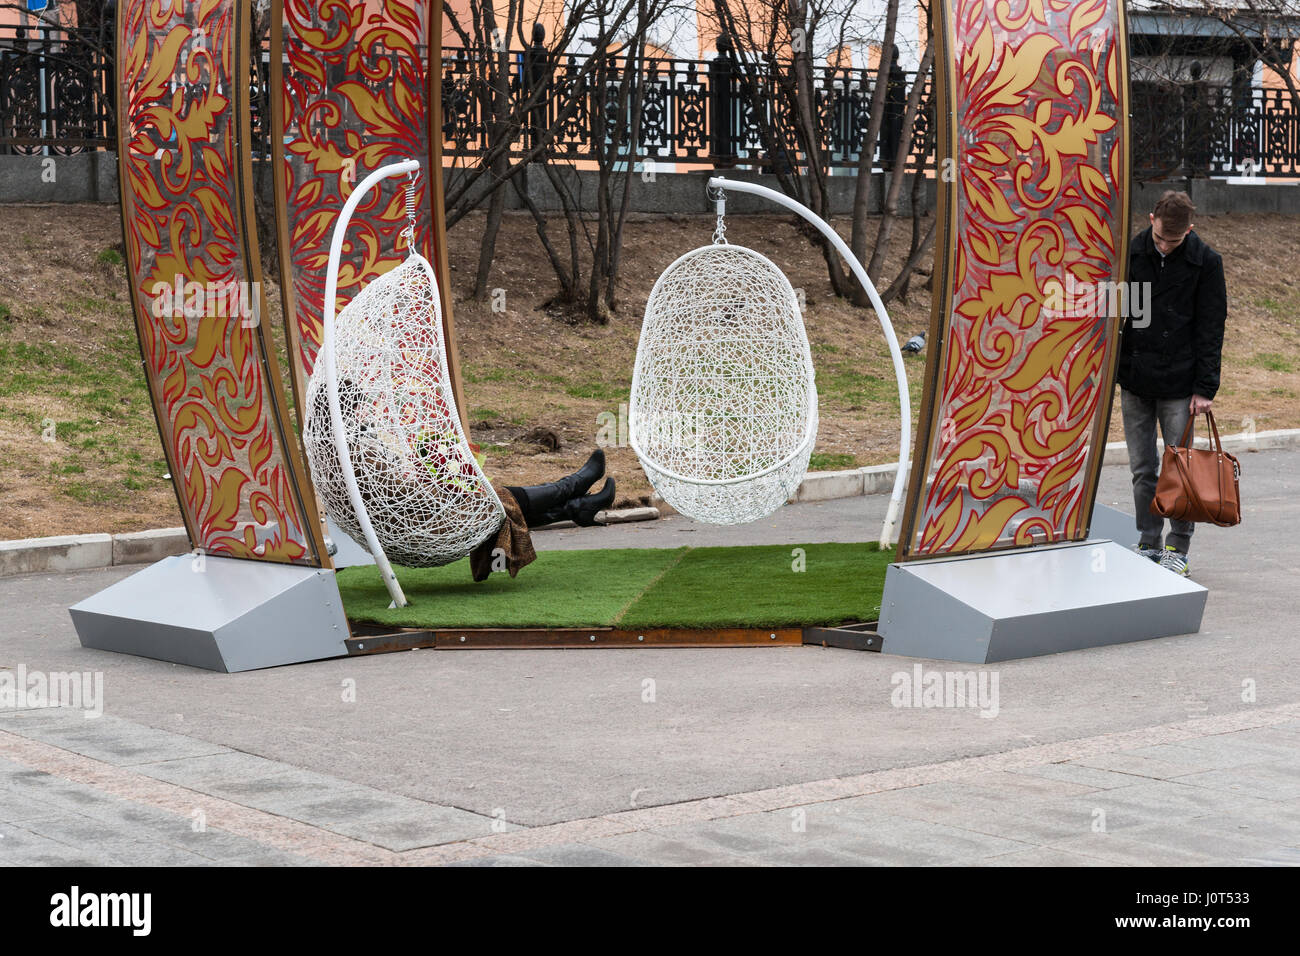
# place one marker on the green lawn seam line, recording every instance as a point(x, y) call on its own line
point(645, 590)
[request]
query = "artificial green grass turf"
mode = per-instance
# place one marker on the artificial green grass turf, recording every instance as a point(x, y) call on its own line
point(758, 586)
point(559, 589)
point(638, 588)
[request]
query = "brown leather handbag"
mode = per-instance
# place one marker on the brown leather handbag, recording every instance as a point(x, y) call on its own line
point(1199, 484)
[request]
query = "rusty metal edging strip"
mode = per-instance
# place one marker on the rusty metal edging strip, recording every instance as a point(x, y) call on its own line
point(366, 641)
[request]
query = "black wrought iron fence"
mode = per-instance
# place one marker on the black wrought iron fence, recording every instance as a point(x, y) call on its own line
point(56, 95)
point(55, 91)
point(1200, 130)
point(717, 112)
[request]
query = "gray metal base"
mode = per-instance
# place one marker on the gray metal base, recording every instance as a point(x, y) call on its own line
point(222, 614)
point(350, 553)
point(1109, 523)
point(1004, 606)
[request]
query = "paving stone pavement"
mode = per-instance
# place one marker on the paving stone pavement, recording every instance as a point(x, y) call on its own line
point(1145, 754)
point(1210, 791)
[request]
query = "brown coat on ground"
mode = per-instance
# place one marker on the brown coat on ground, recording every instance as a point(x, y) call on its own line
point(511, 540)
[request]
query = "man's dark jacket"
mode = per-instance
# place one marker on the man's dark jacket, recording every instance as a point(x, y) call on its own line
point(1177, 355)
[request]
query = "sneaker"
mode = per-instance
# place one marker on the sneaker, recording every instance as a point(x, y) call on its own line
point(1151, 554)
point(1174, 560)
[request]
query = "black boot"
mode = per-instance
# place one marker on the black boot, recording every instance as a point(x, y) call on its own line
point(537, 501)
point(582, 511)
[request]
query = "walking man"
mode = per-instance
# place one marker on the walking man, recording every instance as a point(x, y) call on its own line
point(1169, 359)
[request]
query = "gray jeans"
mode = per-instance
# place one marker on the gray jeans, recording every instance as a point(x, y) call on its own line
point(1140, 418)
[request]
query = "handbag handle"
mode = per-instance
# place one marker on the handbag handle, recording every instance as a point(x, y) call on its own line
point(1188, 431)
point(1211, 426)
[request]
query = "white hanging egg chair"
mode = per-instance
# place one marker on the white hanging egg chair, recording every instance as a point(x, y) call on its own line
point(723, 411)
point(380, 428)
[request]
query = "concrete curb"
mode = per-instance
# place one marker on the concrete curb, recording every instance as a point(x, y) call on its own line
point(1117, 451)
point(146, 547)
point(879, 479)
point(826, 485)
point(67, 552)
point(79, 552)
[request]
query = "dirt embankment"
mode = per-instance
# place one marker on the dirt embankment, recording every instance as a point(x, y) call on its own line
point(79, 451)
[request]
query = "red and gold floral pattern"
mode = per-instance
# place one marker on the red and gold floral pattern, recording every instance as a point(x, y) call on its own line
point(355, 96)
point(1037, 192)
point(195, 287)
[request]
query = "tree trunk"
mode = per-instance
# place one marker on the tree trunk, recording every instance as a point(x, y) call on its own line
point(887, 218)
point(488, 248)
point(561, 273)
point(631, 91)
point(920, 244)
point(919, 252)
point(574, 224)
point(866, 157)
point(497, 98)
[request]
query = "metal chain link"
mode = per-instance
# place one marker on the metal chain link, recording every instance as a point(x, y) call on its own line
point(719, 196)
